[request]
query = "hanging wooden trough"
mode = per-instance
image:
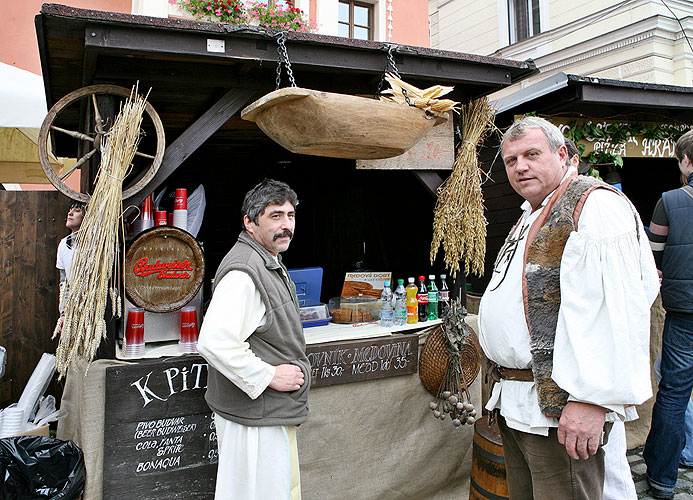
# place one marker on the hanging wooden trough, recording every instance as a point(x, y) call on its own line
point(337, 125)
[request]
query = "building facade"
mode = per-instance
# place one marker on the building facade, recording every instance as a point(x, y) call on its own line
point(636, 40)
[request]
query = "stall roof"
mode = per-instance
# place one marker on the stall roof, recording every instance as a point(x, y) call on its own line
point(601, 98)
point(171, 56)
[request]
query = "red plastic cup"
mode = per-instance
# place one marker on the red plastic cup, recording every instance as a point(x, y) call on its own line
point(181, 200)
point(147, 211)
point(188, 325)
point(134, 332)
point(170, 219)
point(160, 218)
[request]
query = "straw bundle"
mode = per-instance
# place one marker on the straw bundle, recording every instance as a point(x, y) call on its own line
point(426, 99)
point(83, 323)
point(458, 220)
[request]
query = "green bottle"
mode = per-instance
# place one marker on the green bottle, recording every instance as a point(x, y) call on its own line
point(432, 298)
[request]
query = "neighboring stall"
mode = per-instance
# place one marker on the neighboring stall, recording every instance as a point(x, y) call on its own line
point(145, 425)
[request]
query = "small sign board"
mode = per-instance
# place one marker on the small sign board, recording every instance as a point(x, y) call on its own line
point(159, 435)
point(435, 151)
point(347, 361)
point(633, 147)
point(369, 284)
point(164, 269)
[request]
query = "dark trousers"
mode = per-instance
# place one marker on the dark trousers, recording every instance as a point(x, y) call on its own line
point(667, 435)
point(539, 468)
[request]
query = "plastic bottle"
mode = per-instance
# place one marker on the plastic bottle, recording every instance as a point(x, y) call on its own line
point(412, 302)
point(422, 297)
point(432, 298)
point(443, 295)
point(400, 304)
point(386, 312)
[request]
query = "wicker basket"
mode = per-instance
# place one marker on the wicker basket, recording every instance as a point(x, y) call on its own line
point(433, 361)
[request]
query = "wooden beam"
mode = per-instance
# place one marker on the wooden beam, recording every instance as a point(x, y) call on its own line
point(194, 136)
point(134, 41)
point(430, 179)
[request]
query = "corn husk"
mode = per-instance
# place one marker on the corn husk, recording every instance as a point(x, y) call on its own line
point(83, 325)
point(459, 224)
point(426, 99)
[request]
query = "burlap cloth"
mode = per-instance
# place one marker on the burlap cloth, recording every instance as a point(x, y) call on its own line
point(366, 440)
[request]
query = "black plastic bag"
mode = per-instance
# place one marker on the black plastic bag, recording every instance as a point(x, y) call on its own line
point(37, 467)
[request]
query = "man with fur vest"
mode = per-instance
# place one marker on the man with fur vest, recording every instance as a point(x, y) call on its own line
point(565, 319)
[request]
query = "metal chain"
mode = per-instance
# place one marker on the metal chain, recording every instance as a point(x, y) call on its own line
point(283, 58)
point(390, 64)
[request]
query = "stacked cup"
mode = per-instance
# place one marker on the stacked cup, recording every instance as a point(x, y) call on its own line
point(188, 329)
point(180, 209)
point(147, 213)
point(145, 220)
point(12, 421)
point(134, 333)
point(160, 218)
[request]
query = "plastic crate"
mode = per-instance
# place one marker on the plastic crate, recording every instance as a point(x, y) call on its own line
point(308, 281)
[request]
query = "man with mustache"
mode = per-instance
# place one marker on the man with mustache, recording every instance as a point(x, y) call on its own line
point(565, 319)
point(253, 340)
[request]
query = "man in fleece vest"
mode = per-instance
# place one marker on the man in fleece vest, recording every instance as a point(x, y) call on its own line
point(565, 318)
point(253, 340)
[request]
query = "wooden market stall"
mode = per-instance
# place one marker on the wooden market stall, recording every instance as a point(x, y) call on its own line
point(145, 424)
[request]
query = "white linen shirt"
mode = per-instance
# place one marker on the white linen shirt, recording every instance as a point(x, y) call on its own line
point(235, 312)
point(608, 281)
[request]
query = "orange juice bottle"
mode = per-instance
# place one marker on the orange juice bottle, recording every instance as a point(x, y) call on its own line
point(412, 302)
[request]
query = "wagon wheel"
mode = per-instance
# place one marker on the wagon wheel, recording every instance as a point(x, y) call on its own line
point(60, 128)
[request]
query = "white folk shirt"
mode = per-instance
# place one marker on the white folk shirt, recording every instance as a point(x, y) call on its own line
point(608, 281)
point(234, 313)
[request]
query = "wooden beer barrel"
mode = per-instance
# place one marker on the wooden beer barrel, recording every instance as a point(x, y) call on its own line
point(488, 481)
point(164, 269)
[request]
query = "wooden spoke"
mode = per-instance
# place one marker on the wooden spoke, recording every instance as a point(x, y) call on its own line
point(79, 163)
point(97, 115)
point(145, 155)
point(72, 133)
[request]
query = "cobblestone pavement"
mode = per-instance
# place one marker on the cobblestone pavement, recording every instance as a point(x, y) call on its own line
point(684, 486)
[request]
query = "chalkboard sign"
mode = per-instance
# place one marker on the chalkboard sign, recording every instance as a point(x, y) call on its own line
point(355, 360)
point(159, 434)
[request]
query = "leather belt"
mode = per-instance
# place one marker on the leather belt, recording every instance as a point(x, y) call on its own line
point(500, 372)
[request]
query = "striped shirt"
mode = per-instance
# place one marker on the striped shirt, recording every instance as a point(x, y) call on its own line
point(658, 233)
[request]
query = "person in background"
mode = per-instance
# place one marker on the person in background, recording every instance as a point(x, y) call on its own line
point(570, 350)
point(73, 222)
point(253, 340)
point(618, 479)
point(671, 237)
point(575, 159)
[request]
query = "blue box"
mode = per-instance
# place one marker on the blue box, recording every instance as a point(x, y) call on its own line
point(308, 281)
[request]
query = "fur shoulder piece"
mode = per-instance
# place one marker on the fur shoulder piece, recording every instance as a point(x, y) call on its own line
point(542, 272)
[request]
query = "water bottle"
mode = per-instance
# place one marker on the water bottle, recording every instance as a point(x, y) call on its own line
point(400, 304)
point(432, 298)
point(386, 312)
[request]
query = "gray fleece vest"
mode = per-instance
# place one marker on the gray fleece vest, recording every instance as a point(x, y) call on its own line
point(279, 341)
point(541, 287)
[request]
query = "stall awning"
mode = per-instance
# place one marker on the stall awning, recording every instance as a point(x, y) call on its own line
point(22, 110)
